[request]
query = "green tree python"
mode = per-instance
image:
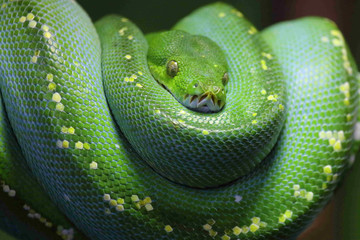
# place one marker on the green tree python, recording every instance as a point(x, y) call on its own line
point(211, 130)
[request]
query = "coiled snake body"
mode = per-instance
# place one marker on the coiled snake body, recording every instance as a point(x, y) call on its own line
point(260, 167)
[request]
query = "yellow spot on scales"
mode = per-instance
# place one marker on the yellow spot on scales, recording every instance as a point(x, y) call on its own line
point(139, 85)
point(120, 208)
point(263, 91)
point(65, 144)
point(272, 98)
point(309, 196)
point(52, 86)
point(212, 233)
point(34, 59)
point(336, 33)
point(332, 141)
point(112, 203)
point(47, 35)
point(267, 55)
point(252, 30)
point(147, 200)
point(128, 57)
point(236, 230)
point(56, 97)
point(337, 146)
point(254, 227)
point(49, 77)
point(168, 228)
point(221, 15)
point(130, 37)
point(336, 42)
point(335, 138)
point(45, 28)
point(149, 207)
point(140, 73)
point(3, 5)
point(93, 165)
point(205, 132)
point(60, 107)
point(64, 129)
point(207, 227)
point(122, 31)
point(325, 39)
point(237, 13)
point(135, 198)
point(255, 220)
point(263, 64)
point(71, 130)
point(281, 107)
point(30, 16)
point(348, 117)
point(225, 237)
point(120, 201)
point(79, 145)
point(327, 169)
point(345, 89)
point(32, 24)
point(22, 19)
point(287, 215)
point(254, 122)
point(106, 197)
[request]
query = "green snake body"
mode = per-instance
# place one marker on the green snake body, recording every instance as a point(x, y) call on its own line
point(260, 168)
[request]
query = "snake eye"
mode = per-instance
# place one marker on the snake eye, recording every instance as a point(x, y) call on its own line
point(172, 68)
point(225, 78)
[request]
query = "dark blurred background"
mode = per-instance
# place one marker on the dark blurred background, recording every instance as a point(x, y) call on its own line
point(341, 218)
point(162, 14)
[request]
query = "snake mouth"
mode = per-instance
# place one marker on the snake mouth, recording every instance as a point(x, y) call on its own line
point(206, 102)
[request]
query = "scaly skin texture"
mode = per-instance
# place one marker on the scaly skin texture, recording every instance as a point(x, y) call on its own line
point(261, 168)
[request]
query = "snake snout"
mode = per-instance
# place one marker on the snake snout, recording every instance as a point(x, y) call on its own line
point(206, 102)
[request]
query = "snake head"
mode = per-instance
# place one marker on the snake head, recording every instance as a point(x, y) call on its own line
point(192, 68)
